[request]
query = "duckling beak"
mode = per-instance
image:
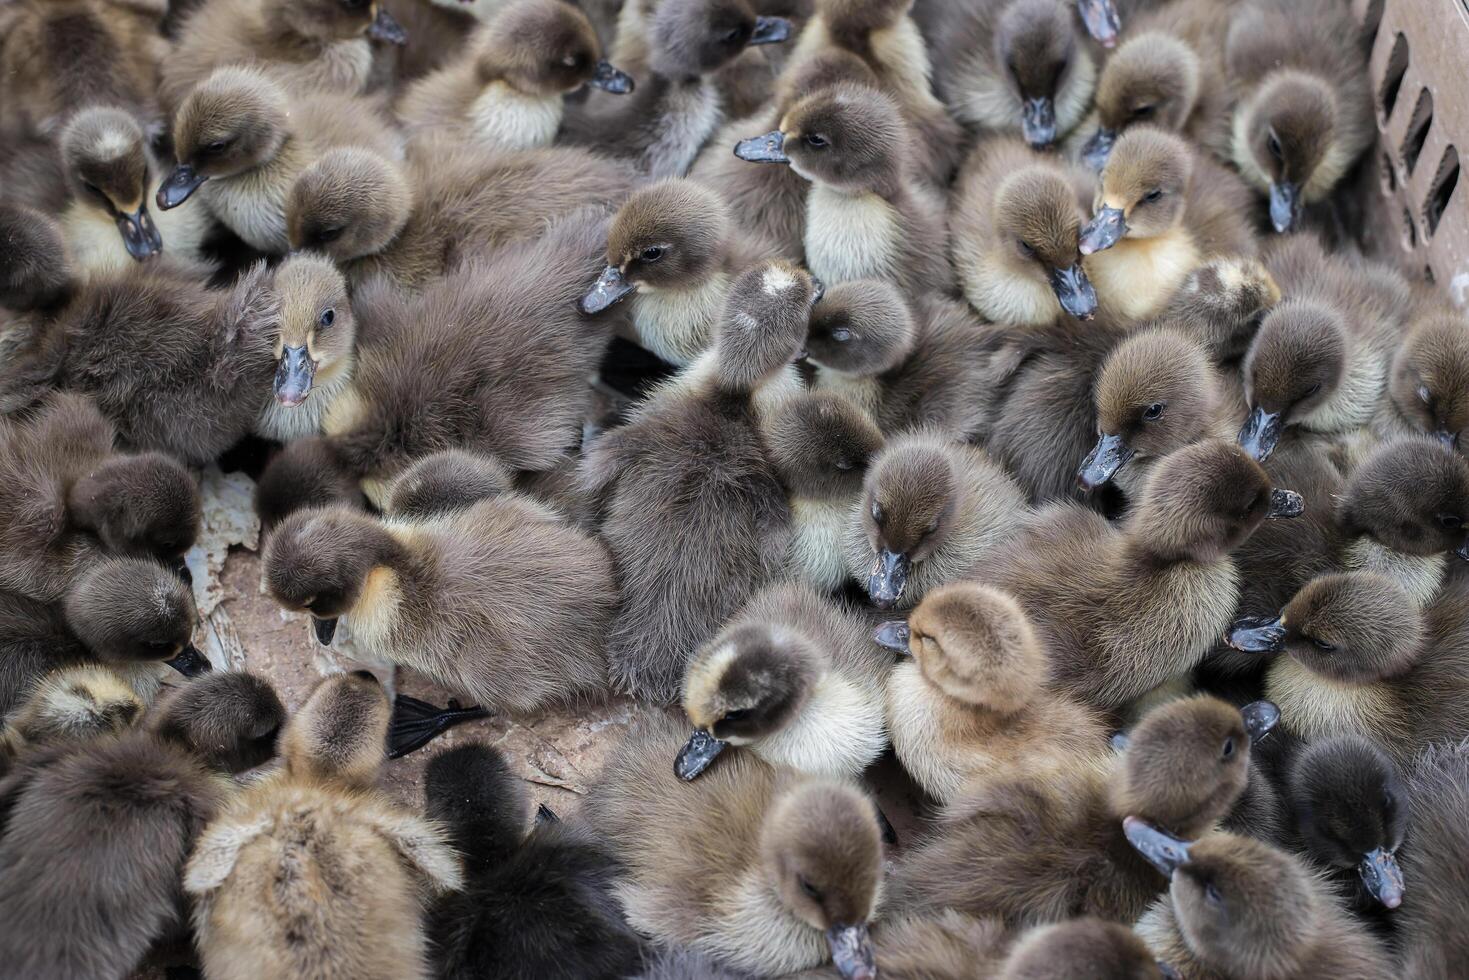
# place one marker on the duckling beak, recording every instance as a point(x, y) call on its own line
point(609, 288)
point(1463, 550)
point(1285, 505)
point(1074, 291)
point(818, 290)
point(293, 376)
point(1119, 741)
point(770, 30)
point(545, 815)
point(1108, 456)
point(1285, 205)
point(888, 579)
point(1260, 433)
point(1101, 20)
point(1163, 851)
point(1449, 440)
point(1038, 122)
point(1260, 717)
point(1256, 634)
point(1167, 971)
point(385, 28)
point(851, 952)
point(176, 188)
point(1104, 230)
point(1098, 148)
point(769, 148)
point(894, 634)
point(181, 568)
point(697, 753)
point(190, 662)
point(1382, 876)
point(139, 233)
point(611, 79)
point(325, 630)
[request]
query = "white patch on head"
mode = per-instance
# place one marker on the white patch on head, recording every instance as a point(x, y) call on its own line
point(112, 144)
point(776, 280)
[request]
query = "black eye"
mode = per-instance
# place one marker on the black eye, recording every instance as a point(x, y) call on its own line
point(328, 235)
point(841, 334)
point(158, 645)
point(218, 146)
point(815, 140)
point(1152, 195)
point(93, 189)
point(1228, 751)
point(734, 35)
point(1025, 249)
point(652, 253)
point(1144, 111)
point(1451, 521)
point(812, 892)
point(354, 4)
point(1212, 894)
point(844, 464)
point(1273, 145)
point(1323, 646)
point(327, 318)
point(738, 714)
point(877, 513)
point(931, 528)
point(1153, 412)
point(1314, 389)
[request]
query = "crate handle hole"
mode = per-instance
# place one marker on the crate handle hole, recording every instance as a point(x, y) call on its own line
point(1441, 191)
point(1418, 125)
point(1410, 231)
point(1392, 77)
point(1389, 175)
point(1371, 21)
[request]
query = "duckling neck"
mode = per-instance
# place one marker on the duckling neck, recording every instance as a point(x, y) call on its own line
point(862, 390)
point(688, 112)
point(851, 236)
point(1137, 276)
point(510, 119)
point(678, 324)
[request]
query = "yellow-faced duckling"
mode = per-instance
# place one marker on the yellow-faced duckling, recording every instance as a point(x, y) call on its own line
point(1435, 864)
point(73, 704)
point(506, 86)
point(971, 705)
point(931, 509)
point(315, 346)
point(1428, 384)
point(1240, 909)
point(793, 882)
point(134, 804)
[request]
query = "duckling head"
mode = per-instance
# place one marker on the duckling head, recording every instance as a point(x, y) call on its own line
point(672, 234)
point(1287, 131)
point(692, 38)
point(318, 561)
point(349, 203)
point(74, 704)
point(447, 480)
point(1085, 947)
point(910, 498)
point(471, 790)
point(326, 21)
point(1155, 394)
point(1153, 79)
point(1143, 189)
point(821, 444)
point(317, 332)
point(833, 66)
point(976, 645)
point(338, 735)
point(105, 158)
point(144, 505)
point(1223, 301)
point(1429, 383)
point(1410, 496)
point(850, 22)
point(127, 610)
point(1037, 222)
point(1295, 363)
point(234, 120)
point(230, 719)
point(861, 327)
point(1351, 808)
point(544, 47)
point(1038, 50)
point(763, 324)
point(36, 273)
point(846, 136)
point(821, 850)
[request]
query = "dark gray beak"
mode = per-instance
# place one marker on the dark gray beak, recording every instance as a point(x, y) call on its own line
point(818, 290)
point(1108, 456)
point(1382, 876)
point(770, 30)
point(697, 753)
point(1074, 291)
point(894, 634)
point(293, 376)
point(888, 579)
point(1449, 440)
point(325, 630)
point(609, 288)
point(1256, 634)
point(190, 662)
point(1285, 206)
point(1260, 717)
point(1101, 20)
point(181, 568)
point(1098, 148)
point(610, 79)
point(385, 28)
point(1104, 230)
point(1038, 122)
point(1260, 433)
point(851, 952)
point(769, 148)
point(1163, 851)
point(1285, 504)
point(545, 815)
point(139, 233)
point(1463, 550)
point(1167, 972)
point(177, 186)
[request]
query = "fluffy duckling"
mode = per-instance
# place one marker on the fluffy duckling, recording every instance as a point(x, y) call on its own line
point(1042, 847)
point(315, 347)
point(1123, 610)
point(534, 905)
point(506, 87)
point(865, 216)
point(448, 481)
point(309, 472)
point(1221, 304)
point(452, 204)
point(242, 140)
point(971, 704)
point(1303, 108)
point(931, 509)
point(659, 486)
point(311, 871)
point(1161, 210)
point(794, 679)
point(132, 804)
point(1239, 908)
point(1432, 945)
point(74, 704)
point(674, 249)
point(1017, 222)
point(1428, 383)
point(37, 278)
point(1083, 947)
point(794, 879)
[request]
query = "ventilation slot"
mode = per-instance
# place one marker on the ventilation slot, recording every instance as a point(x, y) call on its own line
point(1441, 191)
point(1410, 231)
point(1389, 175)
point(1418, 127)
point(1392, 77)
point(1373, 20)
point(1428, 274)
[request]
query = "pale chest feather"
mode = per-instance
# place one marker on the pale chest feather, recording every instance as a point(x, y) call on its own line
point(375, 617)
point(340, 67)
point(688, 117)
point(678, 324)
point(1137, 276)
point(1314, 707)
point(288, 424)
point(1353, 403)
point(252, 205)
point(917, 732)
point(1002, 296)
point(838, 732)
point(757, 935)
point(901, 52)
point(1419, 575)
point(851, 236)
point(815, 551)
point(507, 119)
point(1162, 626)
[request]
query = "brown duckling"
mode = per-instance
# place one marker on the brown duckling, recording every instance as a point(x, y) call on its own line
point(315, 347)
point(861, 331)
point(310, 472)
point(1428, 383)
point(312, 871)
point(931, 509)
point(37, 277)
point(134, 804)
point(73, 704)
point(793, 678)
point(1082, 947)
point(793, 882)
point(971, 704)
point(448, 481)
point(1432, 944)
point(505, 88)
point(1239, 908)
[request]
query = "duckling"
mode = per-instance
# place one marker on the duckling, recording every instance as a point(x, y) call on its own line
point(865, 216)
point(793, 883)
point(133, 804)
point(37, 277)
point(861, 331)
point(448, 481)
point(534, 905)
point(1161, 210)
point(660, 488)
point(1221, 303)
point(673, 963)
point(452, 204)
point(309, 472)
point(674, 249)
point(310, 46)
point(1428, 383)
point(820, 444)
point(1083, 947)
point(794, 679)
point(1124, 610)
point(1049, 845)
point(1432, 945)
point(1017, 221)
point(314, 347)
point(931, 509)
point(313, 854)
point(73, 704)
point(242, 140)
point(970, 705)
point(1237, 907)
point(506, 87)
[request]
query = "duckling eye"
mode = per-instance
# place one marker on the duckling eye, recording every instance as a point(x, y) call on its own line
point(1153, 195)
point(738, 714)
point(354, 4)
point(163, 645)
point(652, 253)
point(93, 189)
point(812, 892)
point(327, 235)
point(218, 146)
point(1153, 412)
point(841, 334)
point(1451, 521)
point(1322, 645)
point(1212, 895)
point(327, 318)
point(1228, 751)
point(1273, 145)
point(732, 36)
point(1314, 389)
point(1025, 249)
point(1144, 111)
point(816, 141)
point(877, 513)
point(844, 464)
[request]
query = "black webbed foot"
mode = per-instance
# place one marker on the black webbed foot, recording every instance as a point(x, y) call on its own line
point(416, 723)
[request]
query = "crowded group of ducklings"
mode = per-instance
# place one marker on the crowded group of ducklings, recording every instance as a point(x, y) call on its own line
point(978, 384)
